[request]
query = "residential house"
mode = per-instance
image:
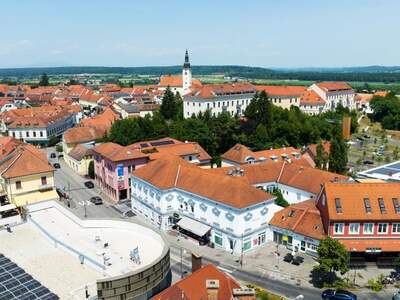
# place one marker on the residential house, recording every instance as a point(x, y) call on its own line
point(312, 103)
point(239, 155)
point(101, 122)
point(79, 158)
point(206, 283)
point(206, 206)
point(26, 176)
point(335, 93)
point(284, 96)
point(113, 165)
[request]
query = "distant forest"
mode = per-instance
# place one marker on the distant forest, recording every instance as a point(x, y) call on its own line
point(363, 74)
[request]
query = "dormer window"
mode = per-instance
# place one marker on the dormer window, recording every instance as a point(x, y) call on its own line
point(396, 205)
point(338, 206)
point(382, 206)
point(367, 205)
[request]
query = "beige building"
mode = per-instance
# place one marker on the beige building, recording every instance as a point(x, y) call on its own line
point(26, 176)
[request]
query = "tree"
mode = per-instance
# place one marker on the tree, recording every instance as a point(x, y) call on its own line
point(91, 169)
point(332, 257)
point(169, 106)
point(279, 198)
point(337, 152)
point(52, 141)
point(319, 159)
point(44, 80)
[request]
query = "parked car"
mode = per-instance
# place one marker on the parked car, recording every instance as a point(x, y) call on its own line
point(396, 296)
point(368, 162)
point(61, 193)
point(60, 155)
point(331, 294)
point(53, 155)
point(89, 184)
point(56, 165)
point(297, 260)
point(96, 200)
point(288, 258)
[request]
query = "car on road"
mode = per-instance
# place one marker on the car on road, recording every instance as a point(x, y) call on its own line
point(60, 193)
point(331, 294)
point(89, 184)
point(96, 200)
point(368, 162)
point(396, 296)
point(53, 155)
point(56, 165)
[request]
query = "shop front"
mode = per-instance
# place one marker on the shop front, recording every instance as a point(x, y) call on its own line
point(194, 230)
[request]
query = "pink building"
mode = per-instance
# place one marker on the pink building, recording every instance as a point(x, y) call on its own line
point(113, 165)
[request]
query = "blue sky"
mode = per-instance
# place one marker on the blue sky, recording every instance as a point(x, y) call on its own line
point(280, 33)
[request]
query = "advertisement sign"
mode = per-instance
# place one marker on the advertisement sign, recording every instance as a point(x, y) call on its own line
point(120, 172)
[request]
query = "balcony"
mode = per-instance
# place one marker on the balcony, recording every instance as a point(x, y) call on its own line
point(45, 187)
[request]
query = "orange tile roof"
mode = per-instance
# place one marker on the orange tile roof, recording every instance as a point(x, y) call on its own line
point(312, 148)
point(79, 152)
point(82, 135)
point(332, 86)
point(224, 89)
point(310, 97)
point(281, 90)
point(176, 81)
point(290, 174)
point(171, 171)
point(386, 245)
point(303, 218)
point(115, 152)
point(101, 122)
point(363, 97)
point(381, 93)
point(23, 161)
point(352, 196)
point(7, 145)
point(193, 287)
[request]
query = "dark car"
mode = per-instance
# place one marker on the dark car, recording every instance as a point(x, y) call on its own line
point(61, 193)
point(331, 294)
point(297, 260)
point(96, 200)
point(368, 162)
point(89, 184)
point(56, 165)
point(288, 258)
point(53, 155)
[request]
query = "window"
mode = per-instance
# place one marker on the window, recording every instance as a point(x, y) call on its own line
point(34, 134)
point(367, 205)
point(338, 228)
point(246, 245)
point(18, 185)
point(338, 205)
point(382, 228)
point(368, 228)
point(396, 205)
point(27, 134)
point(218, 240)
point(354, 228)
point(396, 228)
point(44, 180)
point(382, 205)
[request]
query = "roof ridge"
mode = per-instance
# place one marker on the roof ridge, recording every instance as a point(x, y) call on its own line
point(301, 216)
point(177, 175)
point(281, 172)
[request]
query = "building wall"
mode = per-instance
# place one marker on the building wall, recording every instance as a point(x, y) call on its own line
point(234, 104)
point(29, 184)
point(311, 109)
point(361, 234)
point(285, 101)
point(80, 167)
point(346, 98)
point(106, 174)
point(299, 242)
point(227, 223)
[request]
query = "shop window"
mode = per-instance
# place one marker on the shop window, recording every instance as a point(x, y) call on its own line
point(246, 245)
point(218, 240)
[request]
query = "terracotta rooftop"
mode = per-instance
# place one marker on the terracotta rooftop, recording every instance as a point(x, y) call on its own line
point(101, 122)
point(351, 197)
point(386, 245)
point(332, 86)
point(176, 81)
point(82, 135)
point(312, 148)
point(7, 145)
point(193, 287)
point(115, 152)
point(79, 152)
point(303, 218)
point(173, 172)
point(310, 97)
point(225, 89)
point(23, 161)
point(281, 90)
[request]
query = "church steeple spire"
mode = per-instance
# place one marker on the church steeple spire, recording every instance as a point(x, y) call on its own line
point(186, 65)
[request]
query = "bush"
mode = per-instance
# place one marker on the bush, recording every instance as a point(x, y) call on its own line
point(59, 148)
point(375, 284)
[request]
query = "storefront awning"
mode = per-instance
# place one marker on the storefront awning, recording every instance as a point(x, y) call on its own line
point(193, 226)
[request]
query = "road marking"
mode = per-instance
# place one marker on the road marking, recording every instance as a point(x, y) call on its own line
point(225, 270)
point(82, 203)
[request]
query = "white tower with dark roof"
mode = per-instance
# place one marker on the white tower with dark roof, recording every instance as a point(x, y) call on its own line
point(186, 73)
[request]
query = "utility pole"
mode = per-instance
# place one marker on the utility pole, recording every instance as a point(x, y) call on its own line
point(84, 206)
point(241, 254)
point(181, 262)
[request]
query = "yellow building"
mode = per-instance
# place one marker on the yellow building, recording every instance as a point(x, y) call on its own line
point(26, 176)
point(79, 159)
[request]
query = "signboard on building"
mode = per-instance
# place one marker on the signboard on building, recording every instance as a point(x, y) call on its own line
point(120, 172)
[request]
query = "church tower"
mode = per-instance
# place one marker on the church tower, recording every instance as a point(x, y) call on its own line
point(186, 73)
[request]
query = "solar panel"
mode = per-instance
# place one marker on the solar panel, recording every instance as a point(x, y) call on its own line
point(395, 166)
point(383, 171)
point(15, 283)
point(144, 145)
point(162, 143)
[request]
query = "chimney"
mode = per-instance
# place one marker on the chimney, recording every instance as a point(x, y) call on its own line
point(196, 262)
point(212, 287)
point(244, 293)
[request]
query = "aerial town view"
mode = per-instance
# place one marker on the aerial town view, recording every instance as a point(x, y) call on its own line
point(212, 150)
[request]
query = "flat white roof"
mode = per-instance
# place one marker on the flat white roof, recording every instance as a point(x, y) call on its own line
point(89, 238)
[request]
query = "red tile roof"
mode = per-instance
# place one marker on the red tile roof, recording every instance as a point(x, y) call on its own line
point(176, 81)
point(82, 135)
point(171, 171)
point(115, 152)
point(216, 90)
point(386, 245)
point(193, 287)
point(101, 122)
point(281, 90)
point(352, 197)
point(331, 86)
point(310, 97)
point(303, 218)
point(7, 145)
